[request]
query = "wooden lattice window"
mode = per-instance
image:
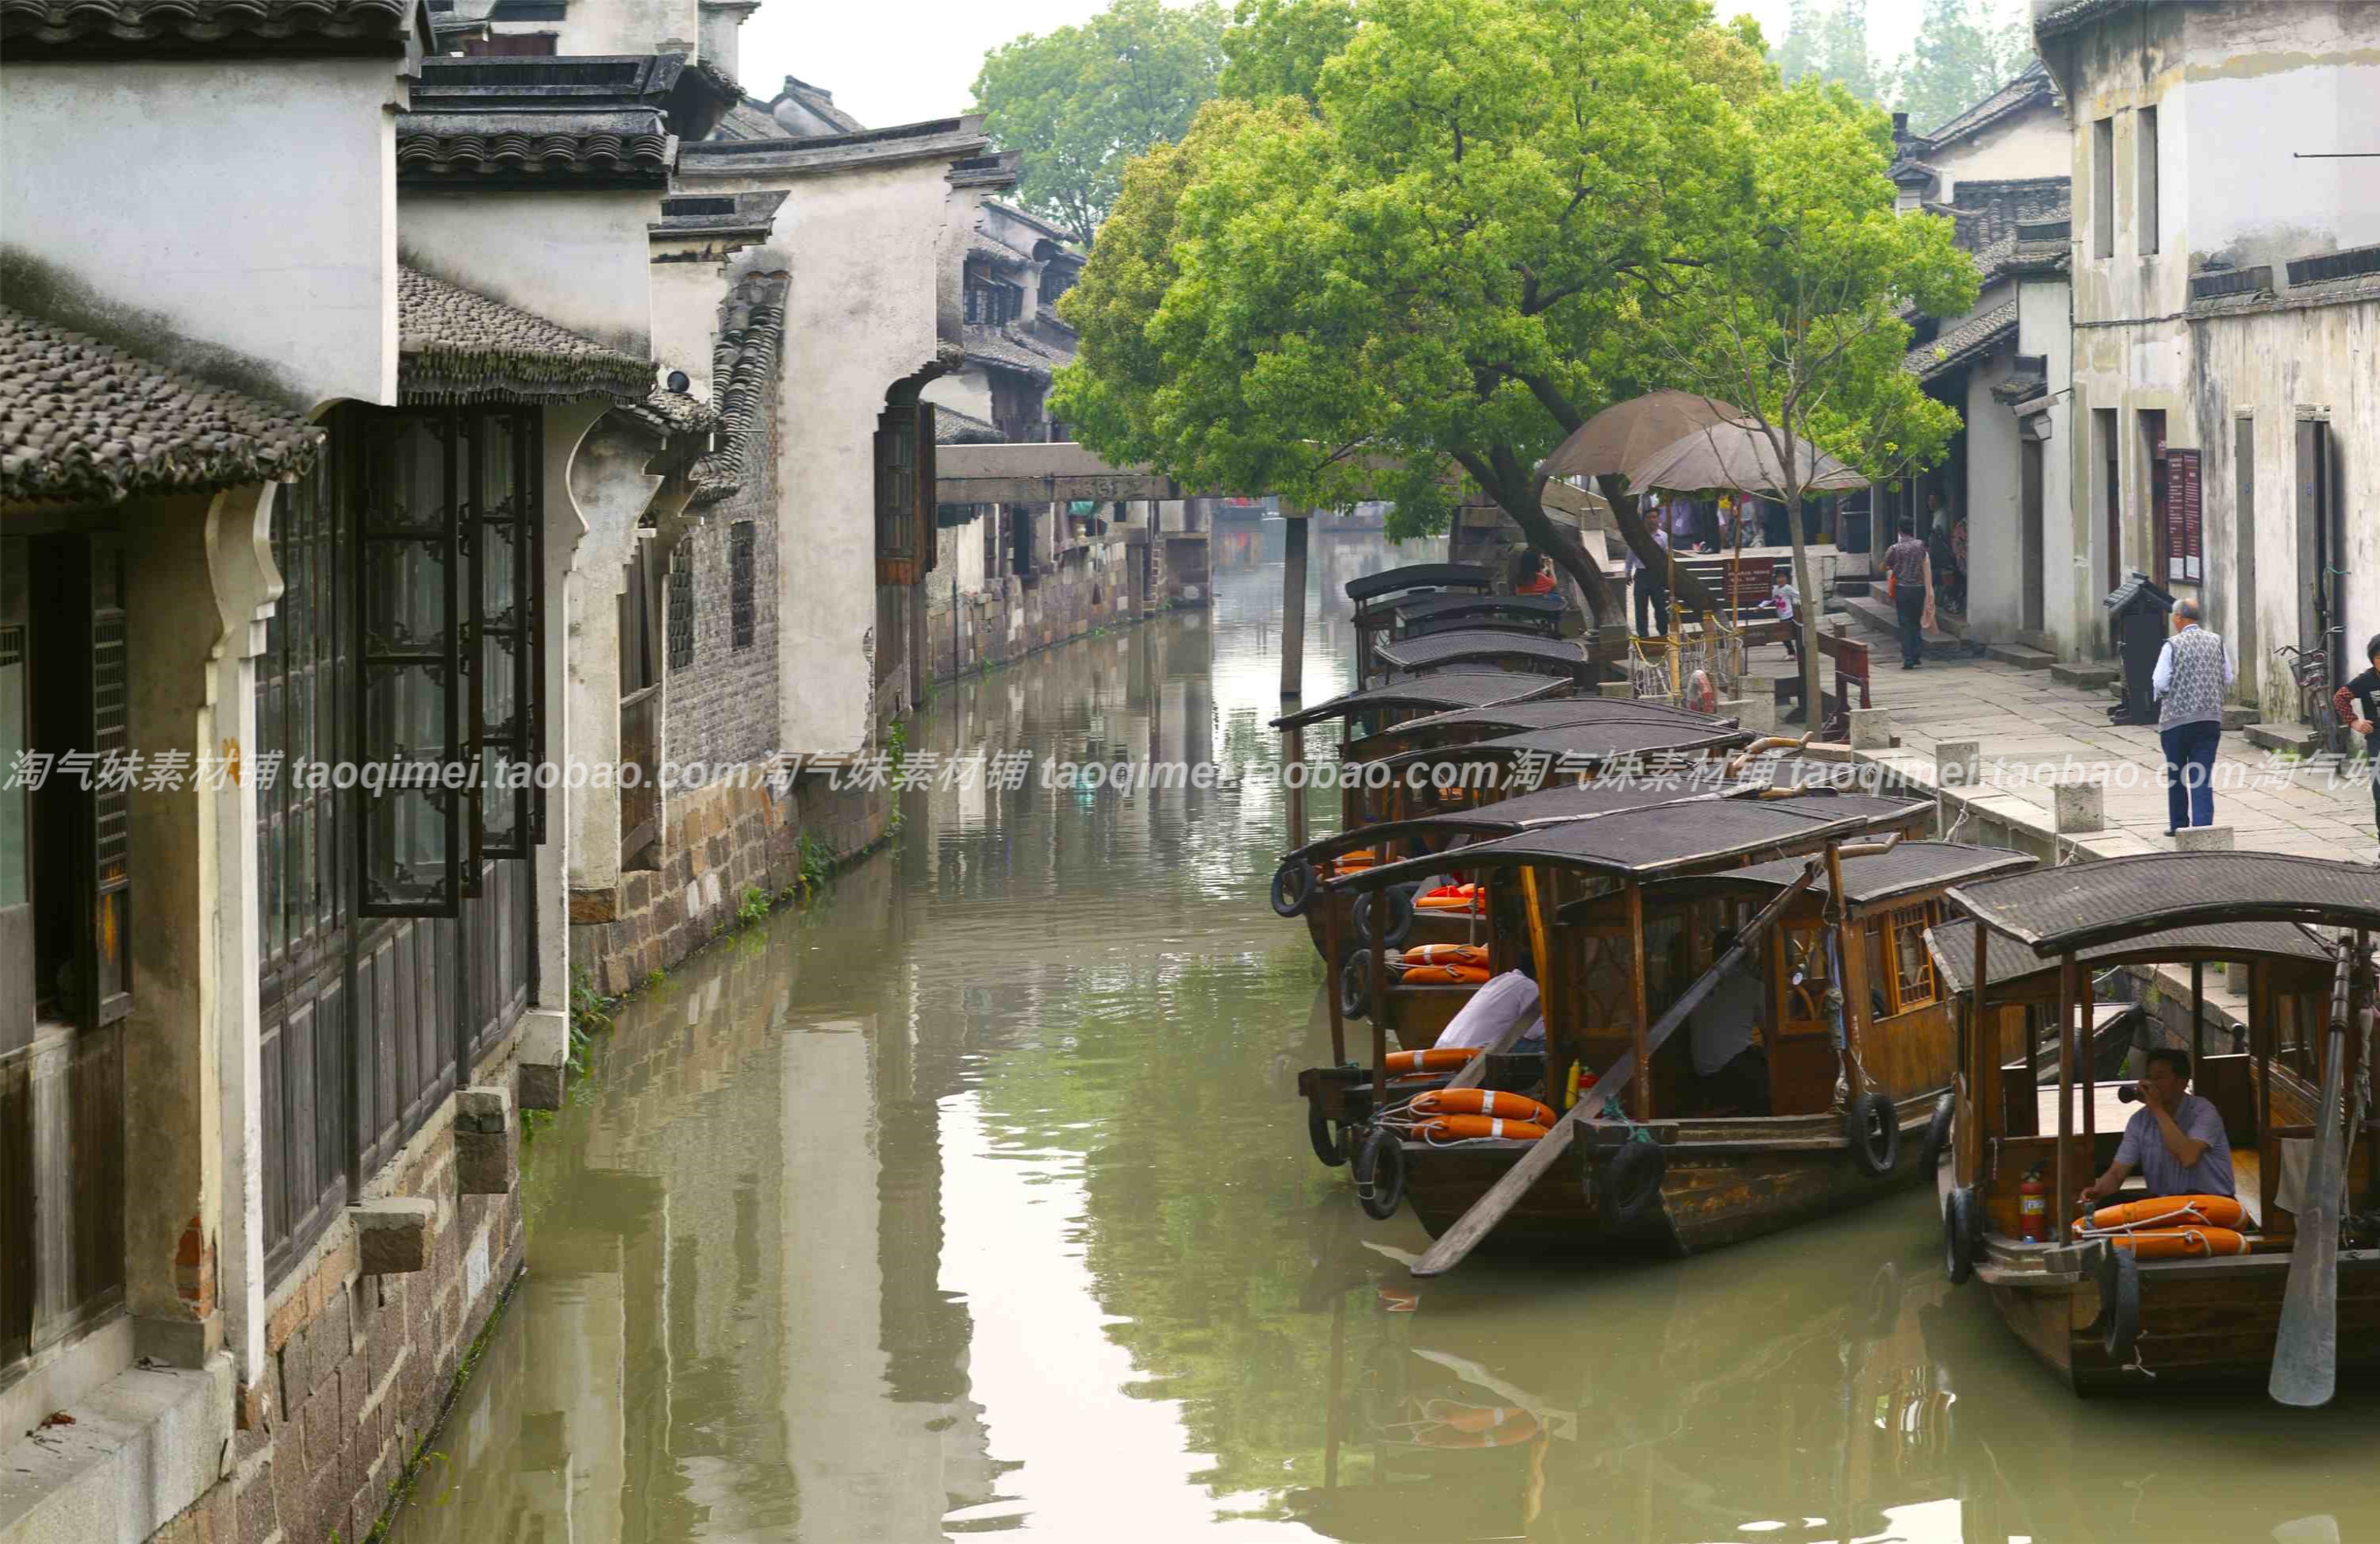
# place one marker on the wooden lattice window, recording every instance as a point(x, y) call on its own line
point(1806, 973)
point(741, 608)
point(1914, 985)
point(678, 613)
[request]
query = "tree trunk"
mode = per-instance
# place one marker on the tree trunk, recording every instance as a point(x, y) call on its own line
point(1626, 509)
point(1813, 705)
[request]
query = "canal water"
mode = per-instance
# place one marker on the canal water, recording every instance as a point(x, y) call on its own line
point(977, 1198)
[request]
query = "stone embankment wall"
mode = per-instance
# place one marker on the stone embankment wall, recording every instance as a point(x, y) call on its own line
point(1108, 581)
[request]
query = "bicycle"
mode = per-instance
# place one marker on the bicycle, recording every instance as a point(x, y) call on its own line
point(2309, 672)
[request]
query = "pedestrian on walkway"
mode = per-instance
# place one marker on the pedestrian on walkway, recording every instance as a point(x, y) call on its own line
point(1913, 592)
point(1651, 587)
point(2192, 672)
point(2359, 703)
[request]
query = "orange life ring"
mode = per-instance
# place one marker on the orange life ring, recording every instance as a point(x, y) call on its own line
point(1482, 1101)
point(1511, 1425)
point(1442, 975)
point(1449, 897)
point(2176, 1243)
point(1466, 1128)
point(1430, 1059)
point(1444, 953)
point(2173, 1212)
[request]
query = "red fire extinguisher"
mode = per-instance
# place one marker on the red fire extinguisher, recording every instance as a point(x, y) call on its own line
point(2033, 1208)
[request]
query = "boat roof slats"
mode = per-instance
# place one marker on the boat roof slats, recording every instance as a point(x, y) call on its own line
point(1532, 608)
point(1646, 844)
point(1417, 576)
point(1556, 713)
point(1910, 866)
point(1596, 741)
point(1441, 691)
point(2057, 910)
point(1546, 807)
point(1468, 643)
point(1953, 946)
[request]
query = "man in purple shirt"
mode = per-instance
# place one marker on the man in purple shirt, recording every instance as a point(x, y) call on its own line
point(2176, 1141)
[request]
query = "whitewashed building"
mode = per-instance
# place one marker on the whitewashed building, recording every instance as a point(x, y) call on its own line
point(2226, 270)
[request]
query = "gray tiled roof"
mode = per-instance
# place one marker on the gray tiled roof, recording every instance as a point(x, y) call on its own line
point(2346, 290)
point(743, 379)
point(1989, 208)
point(2021, 90)
point(1969, 340)
point(955, 428)
point(1003, 349)
point(631, 142)
point(454, 346)
point(2073, 14)
point(81, 420)
point(128, 24)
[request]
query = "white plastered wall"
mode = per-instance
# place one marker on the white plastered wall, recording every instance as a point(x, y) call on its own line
point(578, 259)
point(264, 240)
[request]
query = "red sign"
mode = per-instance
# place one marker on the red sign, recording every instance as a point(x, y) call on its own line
point(2184, 530)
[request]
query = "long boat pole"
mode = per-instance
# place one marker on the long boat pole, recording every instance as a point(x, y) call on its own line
point(1640, 1097)
point(2066, 973)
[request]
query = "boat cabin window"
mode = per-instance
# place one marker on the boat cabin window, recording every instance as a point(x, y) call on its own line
point(1899, 967)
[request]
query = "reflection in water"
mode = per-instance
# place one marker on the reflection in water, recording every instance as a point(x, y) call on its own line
point(978, 1200)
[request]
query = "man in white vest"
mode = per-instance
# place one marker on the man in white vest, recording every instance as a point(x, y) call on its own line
point(2192, 673)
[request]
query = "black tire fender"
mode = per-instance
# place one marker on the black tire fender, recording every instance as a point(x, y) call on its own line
point(1381, 1173)
point(1962, 1216)
point(1937, 1134)
point(1355, 985)
point(1873, 1128)
point(1328, 1146)
point(1292, 886)
point(1398, 898)
point(2119, 1303)
point(1628, 1185)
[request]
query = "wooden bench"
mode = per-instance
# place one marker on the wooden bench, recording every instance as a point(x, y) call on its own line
point(1851, 669)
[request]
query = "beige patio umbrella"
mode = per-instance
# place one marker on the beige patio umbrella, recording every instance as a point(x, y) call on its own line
point(1739, 457)
point(1626, 433)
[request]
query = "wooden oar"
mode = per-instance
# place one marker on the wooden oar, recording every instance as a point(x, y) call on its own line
point(2305, 1355)
point(1490, 1210)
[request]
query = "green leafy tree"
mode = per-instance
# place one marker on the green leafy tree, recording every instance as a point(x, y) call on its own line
point(1277, 47)
point(1796, 57)
point(1800, 316)
point(1842, 50)
point(1418, 280)
point(1956, 60)
point(1081, 102)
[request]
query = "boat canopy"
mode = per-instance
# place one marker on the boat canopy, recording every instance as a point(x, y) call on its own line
point(1581, 747)
point(1876, 878)
point(1516, 718)
point(1437, 692)
point(1419, 576)
point(1952, 945)
point(1578, 801)
point(1648, 844)
point(1532, 613)
point(2058, 911)
point(1437, 650)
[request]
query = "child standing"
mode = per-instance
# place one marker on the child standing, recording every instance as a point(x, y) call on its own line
point(2359, 703)
point(1788, 602)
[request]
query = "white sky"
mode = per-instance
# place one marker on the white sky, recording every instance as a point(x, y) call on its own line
point(916, 59)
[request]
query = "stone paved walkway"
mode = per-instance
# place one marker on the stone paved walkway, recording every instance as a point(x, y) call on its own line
point(2032, 726)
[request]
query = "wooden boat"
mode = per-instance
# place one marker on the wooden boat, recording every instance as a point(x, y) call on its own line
point(1473, 648)
point(2099, 1316)
point(1378, 596)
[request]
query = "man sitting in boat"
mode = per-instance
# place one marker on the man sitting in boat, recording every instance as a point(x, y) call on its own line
point(2176, 1140)
point(1493, 1009)
point(1729, 1062)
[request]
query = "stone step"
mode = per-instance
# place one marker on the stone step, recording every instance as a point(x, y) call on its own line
point(1846, 585)
point(2281, 736)
point(2020, 656)
point(2088, 674)
point(2238, 716)
point(1876, 614)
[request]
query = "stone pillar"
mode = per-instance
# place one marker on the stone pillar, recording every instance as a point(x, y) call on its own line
point(173, 1074)
point(247, 587)
point(2203, 839)
point(1871, 728)
point(1958, 763)
point(2079, 806)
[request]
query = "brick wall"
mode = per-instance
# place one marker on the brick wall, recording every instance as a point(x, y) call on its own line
point(721, 710)
point(359, 1366)
point(719, 841)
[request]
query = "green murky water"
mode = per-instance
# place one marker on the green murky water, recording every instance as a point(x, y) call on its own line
point(978, 1200)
